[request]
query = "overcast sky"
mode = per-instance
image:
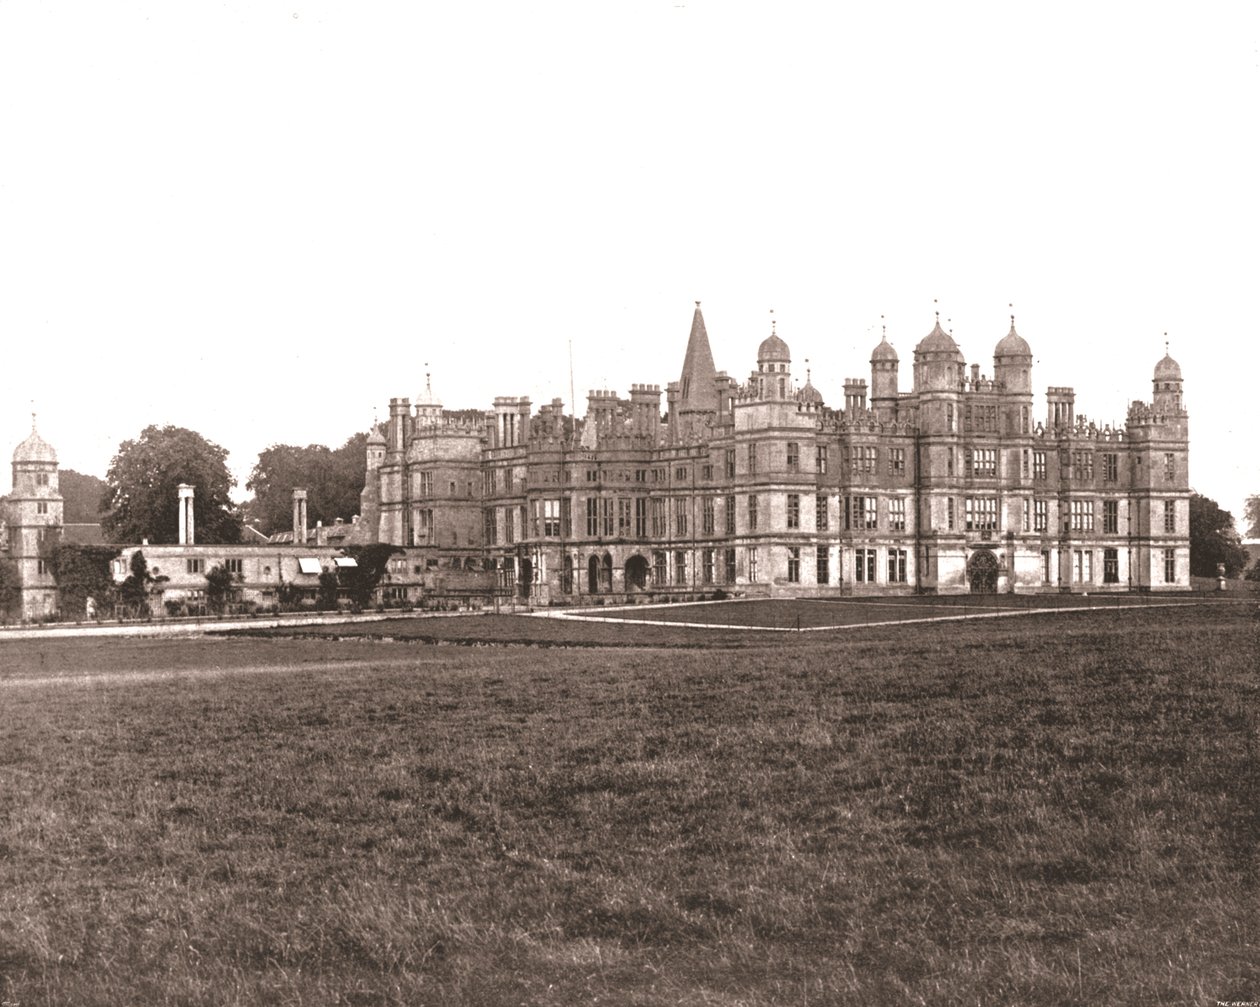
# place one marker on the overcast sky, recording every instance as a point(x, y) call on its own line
point(261, 220)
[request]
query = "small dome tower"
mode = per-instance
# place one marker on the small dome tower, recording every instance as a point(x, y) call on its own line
point(774, 367)
point(1167, 384)
point(1012, 362)
point(884, 364)
point(938, 362)
point(35, 508)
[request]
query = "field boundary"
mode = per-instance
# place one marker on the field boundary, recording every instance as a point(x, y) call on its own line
point(1007, 613)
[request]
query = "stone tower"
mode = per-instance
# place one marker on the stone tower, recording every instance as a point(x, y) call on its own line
point(35, 509)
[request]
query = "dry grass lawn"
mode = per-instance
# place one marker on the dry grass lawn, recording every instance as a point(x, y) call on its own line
point(1059, 810)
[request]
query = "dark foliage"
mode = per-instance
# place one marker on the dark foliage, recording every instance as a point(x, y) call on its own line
point(10, 589)
point(1213, 539)
point(328, 585)
point(333, 481)
point(362, 580)
point(81, 572)
point(141, 494)
point(134, 591)
point(82, 495)
point(219, 583)
point(1251, 514)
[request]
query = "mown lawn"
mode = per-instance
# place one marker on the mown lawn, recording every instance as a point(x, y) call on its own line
point(1047, 811)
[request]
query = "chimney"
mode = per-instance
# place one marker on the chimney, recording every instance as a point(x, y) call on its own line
point(321, 535)
point(187, 533)
point(299, 517)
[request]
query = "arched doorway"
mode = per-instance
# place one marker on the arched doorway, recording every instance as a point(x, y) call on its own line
point(606, 579)
point(526, 578)
point(636, 573)
point(982, 572)
point(592, 575)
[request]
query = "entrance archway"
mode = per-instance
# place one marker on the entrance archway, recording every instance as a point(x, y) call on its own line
point(982, 572)
point(636, 572)
point(606, 574)
point(592, 575)
point(526, 578)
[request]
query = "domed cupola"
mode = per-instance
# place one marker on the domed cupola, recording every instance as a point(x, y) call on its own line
point(1167, 383)
point(884, 364)
point(1012, 362)
point(938, 362)
point(809, 393)
point(774, 379)
point(34, 449)
point(1012, 344)
point(937, 341)
point(773, 350)
point(884, 353)
point(1167, 369)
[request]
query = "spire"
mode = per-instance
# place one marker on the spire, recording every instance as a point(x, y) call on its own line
point(697, 385)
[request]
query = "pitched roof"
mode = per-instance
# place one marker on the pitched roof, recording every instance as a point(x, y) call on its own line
point(697, 386)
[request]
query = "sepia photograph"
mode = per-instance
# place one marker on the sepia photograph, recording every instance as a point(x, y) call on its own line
point(670, 503)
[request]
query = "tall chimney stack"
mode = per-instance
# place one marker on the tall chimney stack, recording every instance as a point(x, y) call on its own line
point(187, 533)
point(299, 517)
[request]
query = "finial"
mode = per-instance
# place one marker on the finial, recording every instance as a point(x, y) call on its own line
point(883, 329)
point(807, 370)
point(1165, 354)
point(949, 323)
point(697, 305)
point(1012, 307)
point(938, 310)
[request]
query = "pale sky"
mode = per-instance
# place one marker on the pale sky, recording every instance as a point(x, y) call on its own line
point(260, 220)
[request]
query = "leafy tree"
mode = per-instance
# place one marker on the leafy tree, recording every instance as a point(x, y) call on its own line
point(134, 591)
point(1252, 516)
point(10, 590)
point(1253, 572)
point(81, 572)
point(141, 493)
point(82, 495)
point(361, 580)
point(1213, 539)
point(333, 481)
point(328, 584)
point(219, 581)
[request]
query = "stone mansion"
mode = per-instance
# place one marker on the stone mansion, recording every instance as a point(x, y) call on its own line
point(759, 487)
point(754, 487)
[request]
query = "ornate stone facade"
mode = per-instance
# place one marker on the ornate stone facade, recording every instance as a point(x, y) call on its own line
point(758, 487)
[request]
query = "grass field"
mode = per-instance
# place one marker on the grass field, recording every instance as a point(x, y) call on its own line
point(1058, 809)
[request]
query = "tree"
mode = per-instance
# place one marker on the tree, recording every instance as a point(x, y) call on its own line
point(219, 581)
point(1252, 516)
point(81, 572)
point(141, 497)
point(134, 591)
point(361, 580)
point(82, 495)
point(333, 481)
point(1213, 539)
point(10, 590)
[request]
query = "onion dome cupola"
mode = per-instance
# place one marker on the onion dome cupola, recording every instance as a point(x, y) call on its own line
point(884, 364)
point(1012, 362)
point(808, 393)
point(938, 362)
point(774, 360)
point(1167, 383)
point(34, 449)
point(35, 466)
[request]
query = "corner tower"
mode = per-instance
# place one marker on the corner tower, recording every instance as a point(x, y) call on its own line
point(35, 510)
